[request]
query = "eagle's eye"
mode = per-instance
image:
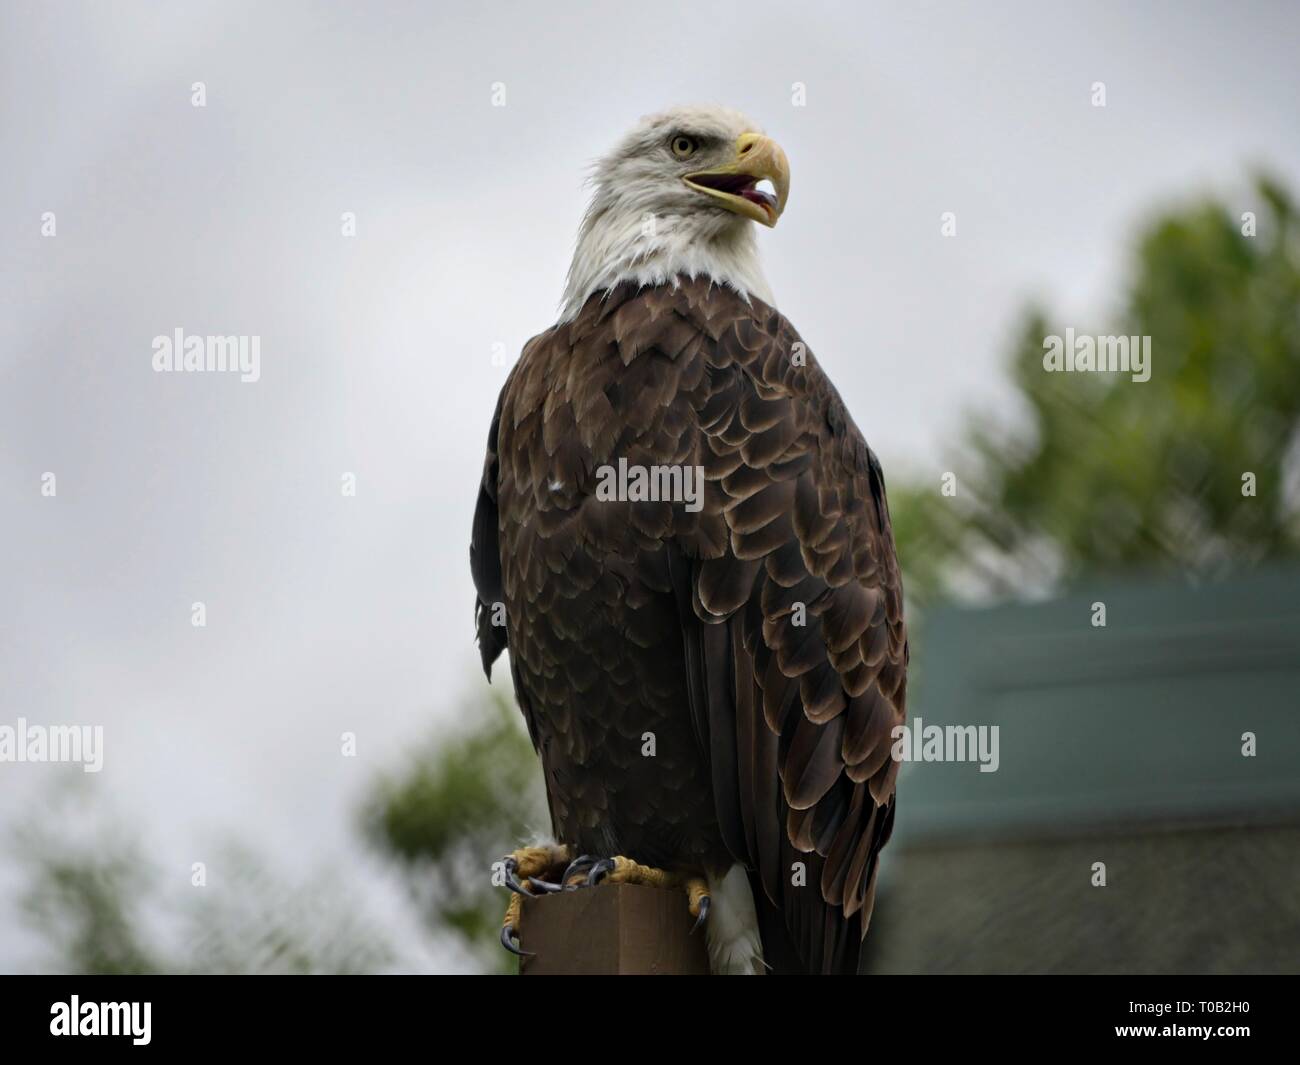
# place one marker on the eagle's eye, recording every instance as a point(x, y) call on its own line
point(684, 147)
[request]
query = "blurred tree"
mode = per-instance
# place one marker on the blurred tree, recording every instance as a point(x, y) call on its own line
point(466, 800)
point(1108, 473)
point(251, 921)
point(99, 905)
point(84, 905)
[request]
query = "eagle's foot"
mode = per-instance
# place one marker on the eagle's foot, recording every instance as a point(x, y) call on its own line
point(525, 873)
point(510, 926)
point(698, 900)
point(587, 871)
point(526, 869)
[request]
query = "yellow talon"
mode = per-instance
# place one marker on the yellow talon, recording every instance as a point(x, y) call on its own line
point(527, 868)
point(697, 895)
point(626, 871)
point(538, 861)
point(510, 926)
point(513, 912)
point(524, 872)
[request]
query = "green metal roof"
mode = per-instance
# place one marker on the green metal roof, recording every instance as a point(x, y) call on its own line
point(1137, 722)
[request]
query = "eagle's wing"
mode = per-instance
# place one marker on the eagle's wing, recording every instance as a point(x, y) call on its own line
point(485, 568)
point(485, 553)
point(794, 634)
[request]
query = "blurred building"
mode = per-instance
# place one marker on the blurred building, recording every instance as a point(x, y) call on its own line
point(1128, 744)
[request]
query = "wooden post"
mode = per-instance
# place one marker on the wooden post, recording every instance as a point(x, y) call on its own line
point(611, 930)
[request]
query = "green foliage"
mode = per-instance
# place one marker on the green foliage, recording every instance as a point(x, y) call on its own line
point(460, 804)
point(249, 920)
point(85, 905)
point(99, 905)
point(1110, 474)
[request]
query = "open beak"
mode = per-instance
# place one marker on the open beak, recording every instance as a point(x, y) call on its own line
point(758, 159)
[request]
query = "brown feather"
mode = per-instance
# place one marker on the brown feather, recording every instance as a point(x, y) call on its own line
point(626, 618)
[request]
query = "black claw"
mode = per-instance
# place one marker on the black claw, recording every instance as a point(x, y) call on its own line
point(576, 867)
point(704, 915)
point(512, 880)
point(507, 941)
point(545, 885)
point(599, 871)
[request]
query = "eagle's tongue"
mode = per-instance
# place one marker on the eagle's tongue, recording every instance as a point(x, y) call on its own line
point(733, 183)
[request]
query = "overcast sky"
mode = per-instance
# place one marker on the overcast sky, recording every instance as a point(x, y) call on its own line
point(328, 614)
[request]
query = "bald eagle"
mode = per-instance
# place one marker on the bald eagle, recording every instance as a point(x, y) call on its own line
point(683, 540)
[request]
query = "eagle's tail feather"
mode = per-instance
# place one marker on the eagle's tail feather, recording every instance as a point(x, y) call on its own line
point(734, 941)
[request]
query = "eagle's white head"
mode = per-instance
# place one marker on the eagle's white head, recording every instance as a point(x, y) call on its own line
point(677, 196)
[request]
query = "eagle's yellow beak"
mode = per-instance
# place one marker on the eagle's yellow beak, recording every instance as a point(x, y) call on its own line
point(758, 158)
